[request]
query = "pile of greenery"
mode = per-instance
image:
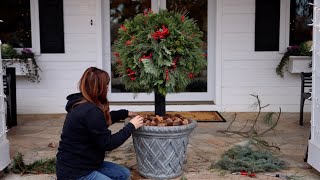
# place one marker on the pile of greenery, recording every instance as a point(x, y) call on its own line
point(304, 49)
point(43, 166)
point(159, 52)
point(244, 158)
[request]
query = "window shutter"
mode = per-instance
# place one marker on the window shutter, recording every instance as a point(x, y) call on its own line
point(51, 26)
point(267, 25)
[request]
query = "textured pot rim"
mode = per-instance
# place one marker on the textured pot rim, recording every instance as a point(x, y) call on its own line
point(300, 57)
point(168, 129)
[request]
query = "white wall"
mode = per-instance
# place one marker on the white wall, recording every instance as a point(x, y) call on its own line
point(245, 71)
point(61, 72)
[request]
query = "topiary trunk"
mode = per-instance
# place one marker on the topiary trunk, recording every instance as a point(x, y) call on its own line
point(160, 104)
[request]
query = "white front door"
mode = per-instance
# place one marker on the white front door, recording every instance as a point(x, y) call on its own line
point(314, 142)
point(4, 143)
point(115, 12)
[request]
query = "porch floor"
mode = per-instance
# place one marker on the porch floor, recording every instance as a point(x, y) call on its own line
point(33, 134)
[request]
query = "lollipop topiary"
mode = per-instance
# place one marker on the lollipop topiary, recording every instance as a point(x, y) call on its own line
point(159, 52)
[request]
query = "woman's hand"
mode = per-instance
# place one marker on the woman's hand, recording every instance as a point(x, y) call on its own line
point(137, 121)
point(130, 113)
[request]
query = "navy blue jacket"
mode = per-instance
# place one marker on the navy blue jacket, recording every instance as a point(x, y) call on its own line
point(85, 138)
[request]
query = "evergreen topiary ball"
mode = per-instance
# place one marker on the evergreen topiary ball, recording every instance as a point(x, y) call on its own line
point(159, 52)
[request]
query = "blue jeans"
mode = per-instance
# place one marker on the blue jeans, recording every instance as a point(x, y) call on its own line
point(108, 171)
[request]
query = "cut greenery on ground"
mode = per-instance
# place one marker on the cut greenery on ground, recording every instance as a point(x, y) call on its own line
point(42, 166)
point(244, 158)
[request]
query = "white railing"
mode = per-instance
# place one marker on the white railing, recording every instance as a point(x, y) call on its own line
point(4, 143)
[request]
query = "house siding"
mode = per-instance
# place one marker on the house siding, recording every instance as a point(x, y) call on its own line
point(61, 72)
point(245, 71)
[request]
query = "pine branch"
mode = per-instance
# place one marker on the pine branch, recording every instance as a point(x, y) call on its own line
point(233, 120)
point(42, 166)
point(254, 133)
point(245, 125)
point(259, 141)
point(259, 112)
point(273, 126)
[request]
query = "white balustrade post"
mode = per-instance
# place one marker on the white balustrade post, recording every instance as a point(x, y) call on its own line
point(4, 142)
point(314, 142)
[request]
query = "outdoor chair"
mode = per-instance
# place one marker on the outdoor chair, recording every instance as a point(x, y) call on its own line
point(9, 89)
point(306, 84)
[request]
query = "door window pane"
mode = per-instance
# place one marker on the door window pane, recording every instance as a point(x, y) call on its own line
point(300, 16)
point(119, 11)
point(196, 9)
point(16, 26)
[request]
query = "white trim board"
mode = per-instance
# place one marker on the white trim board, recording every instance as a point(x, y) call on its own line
point(284, 33)
point(35, 28)
point(218, 50)
point(99, 33)
point(138, 108)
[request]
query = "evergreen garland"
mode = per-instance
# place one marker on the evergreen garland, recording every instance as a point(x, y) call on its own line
point(158, 52)
point(43, 166)
point(244, 158)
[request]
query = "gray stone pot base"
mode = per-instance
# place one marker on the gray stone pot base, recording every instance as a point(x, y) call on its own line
point(161, 151)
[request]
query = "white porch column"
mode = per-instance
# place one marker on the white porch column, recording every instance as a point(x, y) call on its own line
point(4, 143)
point(314, 142)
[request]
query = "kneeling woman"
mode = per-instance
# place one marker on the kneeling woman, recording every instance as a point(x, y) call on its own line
point(85, 136)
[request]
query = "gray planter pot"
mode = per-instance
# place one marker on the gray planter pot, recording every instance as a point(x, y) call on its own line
point(161, 151)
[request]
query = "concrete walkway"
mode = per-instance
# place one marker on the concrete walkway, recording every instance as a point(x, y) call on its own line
point(33, 134)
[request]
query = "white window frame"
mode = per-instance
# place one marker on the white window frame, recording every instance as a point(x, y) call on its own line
point(35, 31)
point(207, 97)
point(284, 31)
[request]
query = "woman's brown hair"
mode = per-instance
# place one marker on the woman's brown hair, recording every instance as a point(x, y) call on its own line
point(94, 88)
